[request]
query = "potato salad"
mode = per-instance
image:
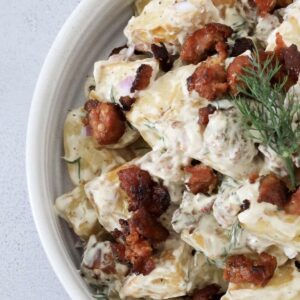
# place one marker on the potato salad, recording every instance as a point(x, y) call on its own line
point(185, 155)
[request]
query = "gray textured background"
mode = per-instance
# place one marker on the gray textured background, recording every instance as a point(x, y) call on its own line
point(27, 30)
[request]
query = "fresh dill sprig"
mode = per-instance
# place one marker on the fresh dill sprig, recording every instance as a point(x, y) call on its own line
point(269, 112)
point(149, 124)
point(112, 96)
point(73, 162)
point(234, 235)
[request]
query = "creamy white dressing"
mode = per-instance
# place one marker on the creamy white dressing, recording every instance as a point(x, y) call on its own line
point(171, 122)
point(114, 78)
point(190, 211)
point(266, 221)
point(273, 163)
point(76, 209)
point(110, 201)
point(248, 12)
point(169, 21)
point(227, 147)
point(265, 25)
point(208, 237)
point(229, 200)
point(164, 164)
point(289, 29)
point(202, 273)
point(169, 279)
point(98, 256)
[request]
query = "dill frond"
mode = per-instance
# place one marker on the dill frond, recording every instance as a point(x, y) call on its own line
point(76, 161)
point(269, 112)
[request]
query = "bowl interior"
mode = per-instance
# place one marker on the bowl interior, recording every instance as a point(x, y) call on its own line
point(93, 30)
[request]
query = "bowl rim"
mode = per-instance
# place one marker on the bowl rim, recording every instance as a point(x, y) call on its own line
point(53, 246)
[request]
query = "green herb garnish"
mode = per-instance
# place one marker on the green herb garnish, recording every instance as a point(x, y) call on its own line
point(112, 97)
point(269, 112)
point(76, 161)
point(235, 235)
point(149, 124)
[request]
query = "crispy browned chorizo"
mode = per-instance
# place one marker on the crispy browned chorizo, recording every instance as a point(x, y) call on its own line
point(293, 206)
point(291, 61)
point(273, 190)
point(283, 3)
point(241, 45)
point(241, 269)
point(235, 69)
point(202, 180)
point(132, 248)
point(253, 177)
point(137, 184)
point(160, 200)
point(148, 227)
point(210, 292)
point(209, 80)
point(127, 102)
point(267, 6)
point(144, 192)
point(204, 114)
point(164, 58)
point(136, 240)
point(142, 78)
point(202, 43)
point(106, 121)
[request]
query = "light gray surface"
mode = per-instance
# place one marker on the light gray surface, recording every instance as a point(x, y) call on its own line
point(27, 30)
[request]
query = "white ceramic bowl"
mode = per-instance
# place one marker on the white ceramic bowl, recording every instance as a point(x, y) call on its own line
point(94, 28)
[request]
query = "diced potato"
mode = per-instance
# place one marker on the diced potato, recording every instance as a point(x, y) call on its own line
point(77, 210)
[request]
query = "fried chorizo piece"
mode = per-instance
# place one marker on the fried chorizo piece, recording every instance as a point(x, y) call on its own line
point(137, 250)
point(144, 192)
point(291, 61)
point(164, 58)
point(148, 227)
point(202, 180)
point(209, 80)
point(202, 43)
point(210, 292)
point(131, 248)
point(235, 69)
point(137, 184)
point(160, 200)
point(288, 59)
point(253, 177)
point(127, 102)
point(241, 269)
point(142, 78)
point(106, 121)
point(136, 241)
point(204, 114)
point(283, 3)
point(267, 6)
point(241, 45)
point(273, 190)
point(293, 206)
